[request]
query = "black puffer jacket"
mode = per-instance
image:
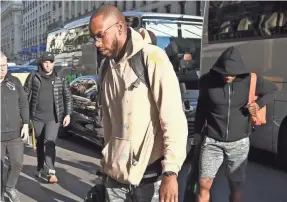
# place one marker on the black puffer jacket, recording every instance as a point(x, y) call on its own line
point(62, 94)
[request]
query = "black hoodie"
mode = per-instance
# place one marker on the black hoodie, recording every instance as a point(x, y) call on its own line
point(221, 112)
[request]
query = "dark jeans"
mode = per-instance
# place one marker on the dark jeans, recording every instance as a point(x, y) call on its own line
point(14, 149)
point(46, 134)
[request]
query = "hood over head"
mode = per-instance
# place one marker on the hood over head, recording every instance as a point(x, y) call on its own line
point(230, 63)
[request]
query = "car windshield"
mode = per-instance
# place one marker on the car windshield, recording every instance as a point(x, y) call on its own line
point(182, 41)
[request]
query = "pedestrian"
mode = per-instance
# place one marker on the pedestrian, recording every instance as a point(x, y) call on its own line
point(50, 105)
point(14, 114)
point(223, 121)
point(145, 127)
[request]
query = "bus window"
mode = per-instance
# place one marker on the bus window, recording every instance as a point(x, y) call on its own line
point(243, 20)
point(283, 29)
point(133, 21)
point(182, 42)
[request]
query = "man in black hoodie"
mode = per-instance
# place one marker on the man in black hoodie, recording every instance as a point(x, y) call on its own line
point(50, 103)
point(14, 113)
point(223, 121)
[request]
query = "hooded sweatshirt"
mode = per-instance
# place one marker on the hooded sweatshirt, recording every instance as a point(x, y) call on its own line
point(221, 113)
point(142, 125)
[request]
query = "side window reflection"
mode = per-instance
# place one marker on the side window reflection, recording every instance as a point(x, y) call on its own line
point(86, 88)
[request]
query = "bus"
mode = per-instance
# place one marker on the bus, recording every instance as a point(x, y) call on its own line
point(72, 47)
point(259, 31)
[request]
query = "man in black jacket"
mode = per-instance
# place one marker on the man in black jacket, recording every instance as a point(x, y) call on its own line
point(14, 113)
point(49, 101)
point(223, 119)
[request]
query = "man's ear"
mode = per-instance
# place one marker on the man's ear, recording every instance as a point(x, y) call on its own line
point(120, 27)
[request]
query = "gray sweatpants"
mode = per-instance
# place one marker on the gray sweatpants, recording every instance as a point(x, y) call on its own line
point(118, 192)
point(213, 153)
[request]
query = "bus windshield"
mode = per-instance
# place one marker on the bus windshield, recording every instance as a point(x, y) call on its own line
point(179, 36)
point(181, 40)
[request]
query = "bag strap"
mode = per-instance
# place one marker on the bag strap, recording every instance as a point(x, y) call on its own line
point(140, 69)
point(252, 89)
point(102, 71)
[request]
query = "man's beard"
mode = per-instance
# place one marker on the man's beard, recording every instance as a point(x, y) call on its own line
point(114, 49)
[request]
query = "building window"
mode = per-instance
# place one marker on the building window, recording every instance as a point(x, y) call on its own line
point(134, 4)
point(116, 3)
point(144, 2)
point(155, 10)
point(124, 6)
point(60, 4)
point(168, 8)
point(60, 17)
point(182, 7)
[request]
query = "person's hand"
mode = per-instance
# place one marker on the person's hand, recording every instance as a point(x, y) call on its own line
point(197, 138)
point(168, 191)
point(67, 120)
point(253, 108)
point(25, 132)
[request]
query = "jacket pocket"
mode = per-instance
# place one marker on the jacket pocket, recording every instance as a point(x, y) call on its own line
point(140, 164)
point(117, 158)
point(120, 162)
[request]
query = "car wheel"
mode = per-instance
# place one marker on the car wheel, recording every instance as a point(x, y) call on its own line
point(64, 132)
point(282, 146)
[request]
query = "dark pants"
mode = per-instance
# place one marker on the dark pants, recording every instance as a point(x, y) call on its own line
point(182, 178)
point(14, 149)
point(46, 134)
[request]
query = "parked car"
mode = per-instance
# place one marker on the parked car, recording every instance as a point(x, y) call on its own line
point(84, 91)
point(22, 71)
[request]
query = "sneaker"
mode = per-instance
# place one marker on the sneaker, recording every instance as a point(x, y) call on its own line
point(52, 178)
point(12, 194)
point(41, 174)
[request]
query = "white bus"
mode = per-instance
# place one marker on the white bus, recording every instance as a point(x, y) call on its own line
point(259, 31)
point(72, 40)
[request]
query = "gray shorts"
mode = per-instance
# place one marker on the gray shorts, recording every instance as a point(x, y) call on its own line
point(213, 153)
point(118, 192)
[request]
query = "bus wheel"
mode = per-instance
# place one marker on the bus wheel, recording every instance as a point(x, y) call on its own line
point(282, 146)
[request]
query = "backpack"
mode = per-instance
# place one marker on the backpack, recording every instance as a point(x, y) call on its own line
point(137, 64)
point(260, 118)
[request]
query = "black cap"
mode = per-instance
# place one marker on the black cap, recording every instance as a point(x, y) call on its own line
point(47, 56)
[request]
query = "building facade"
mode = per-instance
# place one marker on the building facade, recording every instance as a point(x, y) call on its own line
point(11, 29)
point(39, 16)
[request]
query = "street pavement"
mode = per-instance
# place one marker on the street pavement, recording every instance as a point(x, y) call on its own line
point(78, 161)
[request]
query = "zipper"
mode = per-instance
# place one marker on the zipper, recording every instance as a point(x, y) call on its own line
point(5, 107)
point(228, 115)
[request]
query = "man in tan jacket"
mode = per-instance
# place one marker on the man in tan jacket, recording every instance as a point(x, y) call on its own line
point(145, 129)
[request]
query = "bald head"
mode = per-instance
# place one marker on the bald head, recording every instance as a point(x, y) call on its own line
point(109, 13)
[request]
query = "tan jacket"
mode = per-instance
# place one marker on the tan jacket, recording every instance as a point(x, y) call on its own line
point(142, 126)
